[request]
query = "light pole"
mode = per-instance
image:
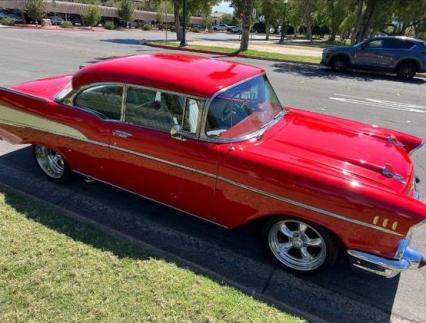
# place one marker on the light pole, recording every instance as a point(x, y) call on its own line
point(184, 15)
point(284, 24)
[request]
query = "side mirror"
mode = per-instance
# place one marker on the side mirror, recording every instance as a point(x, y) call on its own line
point(363, 47)
point(176, 133)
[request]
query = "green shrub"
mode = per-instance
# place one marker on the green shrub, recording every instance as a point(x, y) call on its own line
point(195, 30)
point(147, 27)
point(109, 25)
point(7, 21)
point(91, 16)
point(66, 24)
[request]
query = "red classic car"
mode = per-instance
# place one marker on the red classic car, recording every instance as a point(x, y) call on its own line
point(210, 137)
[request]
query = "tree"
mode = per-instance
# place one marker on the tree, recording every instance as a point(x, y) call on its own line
point(126, 10)
point(335, 12)
point(227, 18)
point(35, 9)
point(91, 16)
point(270, 13)
point(200, 7)
point(246, 24)
point(176, 13)
point(306, 9)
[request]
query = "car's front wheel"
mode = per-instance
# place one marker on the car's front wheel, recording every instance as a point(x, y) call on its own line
point(300, 246)
point(51, 163)
point(340, 63)
point(406, 70)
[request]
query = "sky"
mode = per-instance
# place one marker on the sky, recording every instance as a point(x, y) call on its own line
point(223, 7)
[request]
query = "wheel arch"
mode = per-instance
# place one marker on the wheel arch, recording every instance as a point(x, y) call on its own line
point(261, 220)
point(342, 55)
point(408, 60)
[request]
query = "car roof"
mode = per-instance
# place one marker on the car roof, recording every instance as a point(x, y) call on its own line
point(188, 74)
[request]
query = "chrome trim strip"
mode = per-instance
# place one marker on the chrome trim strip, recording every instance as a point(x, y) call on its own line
point(308, 207)
point(70, 97)
point(26, 95)
point(148, 198)
point(167, 162)
point(226, 180)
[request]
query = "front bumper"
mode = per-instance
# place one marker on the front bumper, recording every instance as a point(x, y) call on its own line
point(405, 258)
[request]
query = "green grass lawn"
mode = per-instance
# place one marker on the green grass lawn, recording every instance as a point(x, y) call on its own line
point(250, 52)
point(54, 268)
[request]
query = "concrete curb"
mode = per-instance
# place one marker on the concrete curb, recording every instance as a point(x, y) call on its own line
point(168, 256)
point(229, 55)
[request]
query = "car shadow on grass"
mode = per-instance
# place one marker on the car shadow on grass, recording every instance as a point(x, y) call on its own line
point(311, 71)
point(236, 257)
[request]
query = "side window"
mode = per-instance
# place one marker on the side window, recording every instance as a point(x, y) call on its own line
point(104, 100)
point(154, 109)
point(377, 43)
point(398, 43)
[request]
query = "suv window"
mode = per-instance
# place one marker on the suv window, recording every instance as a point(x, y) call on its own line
point(398, 43)
point(104, 100)
point(377, 43)
point(159, 110)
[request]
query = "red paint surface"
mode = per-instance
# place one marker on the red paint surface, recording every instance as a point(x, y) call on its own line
point(322, 161)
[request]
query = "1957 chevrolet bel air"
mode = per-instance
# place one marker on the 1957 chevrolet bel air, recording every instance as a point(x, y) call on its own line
point(210, 138)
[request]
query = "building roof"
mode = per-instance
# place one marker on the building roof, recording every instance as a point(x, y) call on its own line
point(189, 74)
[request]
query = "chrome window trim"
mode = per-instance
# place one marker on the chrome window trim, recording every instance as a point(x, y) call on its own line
point(249, 136)
point(186, 97)
point(68, 101)
point(71, 95)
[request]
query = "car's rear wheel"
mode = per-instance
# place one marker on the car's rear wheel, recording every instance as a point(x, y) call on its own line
point(340, 64)
point(51, 163)
point(406, 70)
point(300, 246)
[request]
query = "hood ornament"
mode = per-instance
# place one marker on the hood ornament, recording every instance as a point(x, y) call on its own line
point(390, 173)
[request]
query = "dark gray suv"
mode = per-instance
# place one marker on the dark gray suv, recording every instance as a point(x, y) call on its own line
point(402, 55)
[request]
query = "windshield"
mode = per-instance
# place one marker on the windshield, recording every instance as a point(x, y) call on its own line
point(243, 109)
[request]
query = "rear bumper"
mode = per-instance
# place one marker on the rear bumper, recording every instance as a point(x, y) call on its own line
point(405, 258)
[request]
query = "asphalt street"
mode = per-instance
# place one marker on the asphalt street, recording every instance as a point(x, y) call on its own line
point(337, 295)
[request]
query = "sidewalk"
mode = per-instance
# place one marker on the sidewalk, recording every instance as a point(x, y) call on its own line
point(265, 46)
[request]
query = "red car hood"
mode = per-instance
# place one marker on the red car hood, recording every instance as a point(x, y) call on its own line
point(363, 154)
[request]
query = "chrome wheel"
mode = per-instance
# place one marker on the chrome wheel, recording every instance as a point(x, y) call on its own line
point(51, 163)
point(297, 245)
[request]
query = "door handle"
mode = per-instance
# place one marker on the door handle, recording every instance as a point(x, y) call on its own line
point(121, 134)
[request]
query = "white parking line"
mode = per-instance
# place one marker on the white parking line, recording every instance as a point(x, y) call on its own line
point(384, 104)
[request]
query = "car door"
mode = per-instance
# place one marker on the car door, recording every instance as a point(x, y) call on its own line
point(146, 159)
point(92, 111)
point(368, 54)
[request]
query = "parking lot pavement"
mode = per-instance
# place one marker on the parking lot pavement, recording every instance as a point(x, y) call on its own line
point(337, 295)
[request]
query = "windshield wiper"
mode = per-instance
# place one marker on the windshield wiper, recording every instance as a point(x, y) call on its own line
point(266, 126)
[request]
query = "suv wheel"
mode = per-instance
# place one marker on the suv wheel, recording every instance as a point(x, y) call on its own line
point(340, 63)
point(407, 70)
